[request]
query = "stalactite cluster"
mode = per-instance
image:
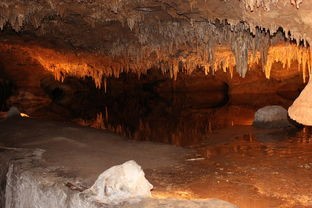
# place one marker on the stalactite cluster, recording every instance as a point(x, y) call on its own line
point(287, 54)
point(20, 13)
point(157, 34)
point(242, 54)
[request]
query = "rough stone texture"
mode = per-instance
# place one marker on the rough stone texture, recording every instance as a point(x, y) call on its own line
point(301, 109)
point(96, 13)
point(102, 39)
point(271, 116)
point(4, 160)
point(283, 14)
point(121, 183)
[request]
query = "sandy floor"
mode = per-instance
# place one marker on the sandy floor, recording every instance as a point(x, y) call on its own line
point(245, 166)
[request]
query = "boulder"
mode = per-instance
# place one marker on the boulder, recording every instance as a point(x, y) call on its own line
point(13, 112)
point(125, 182)
point(272, 116)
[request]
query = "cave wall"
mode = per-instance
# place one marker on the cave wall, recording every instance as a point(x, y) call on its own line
point(193, 46)
point(24, 74)
point(25, 63)
point(97, 39)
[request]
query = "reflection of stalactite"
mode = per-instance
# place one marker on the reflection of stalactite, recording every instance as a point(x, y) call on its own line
point(99, 122)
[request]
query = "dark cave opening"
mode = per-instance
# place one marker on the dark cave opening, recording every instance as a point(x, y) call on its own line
point(6, 90)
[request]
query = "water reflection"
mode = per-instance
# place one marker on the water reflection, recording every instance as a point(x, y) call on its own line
point(174, 121)
point(188, 128)
point(256, 167)
point(279, 142)
point(247, 166)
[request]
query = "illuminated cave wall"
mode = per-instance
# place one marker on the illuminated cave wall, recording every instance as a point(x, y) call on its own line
point(227, 40)
point(246, 52)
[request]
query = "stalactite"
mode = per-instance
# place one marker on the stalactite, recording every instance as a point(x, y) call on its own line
point(208, 45)
point(240, 49)
point(296, 3)
point(286, 54)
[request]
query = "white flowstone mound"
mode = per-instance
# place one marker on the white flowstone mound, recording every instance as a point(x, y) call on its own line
point(120, 183)
point(301, 109)
point(271, 116)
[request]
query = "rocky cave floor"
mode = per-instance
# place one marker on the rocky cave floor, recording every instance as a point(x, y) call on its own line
point(243, 165)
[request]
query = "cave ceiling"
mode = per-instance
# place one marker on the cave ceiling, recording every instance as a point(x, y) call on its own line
point(102, 38)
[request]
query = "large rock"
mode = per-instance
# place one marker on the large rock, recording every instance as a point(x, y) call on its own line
point(272, 116)
point(301, 109)
point(121, 183)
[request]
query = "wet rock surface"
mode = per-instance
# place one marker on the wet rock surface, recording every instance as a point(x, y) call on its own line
point(247, 166)
point(29, 179)
point(223, 165)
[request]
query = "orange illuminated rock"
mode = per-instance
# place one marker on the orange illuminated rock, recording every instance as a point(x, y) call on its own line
point(101, 66)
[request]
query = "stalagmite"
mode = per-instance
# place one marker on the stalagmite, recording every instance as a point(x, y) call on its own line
point(301, 109)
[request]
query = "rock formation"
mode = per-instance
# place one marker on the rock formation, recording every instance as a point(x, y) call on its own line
point(121, 183)
point(301, 109)
point(103, 39)
point(271, 117)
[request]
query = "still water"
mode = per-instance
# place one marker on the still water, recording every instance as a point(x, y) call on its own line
point(182, 119)
point(231, 160)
